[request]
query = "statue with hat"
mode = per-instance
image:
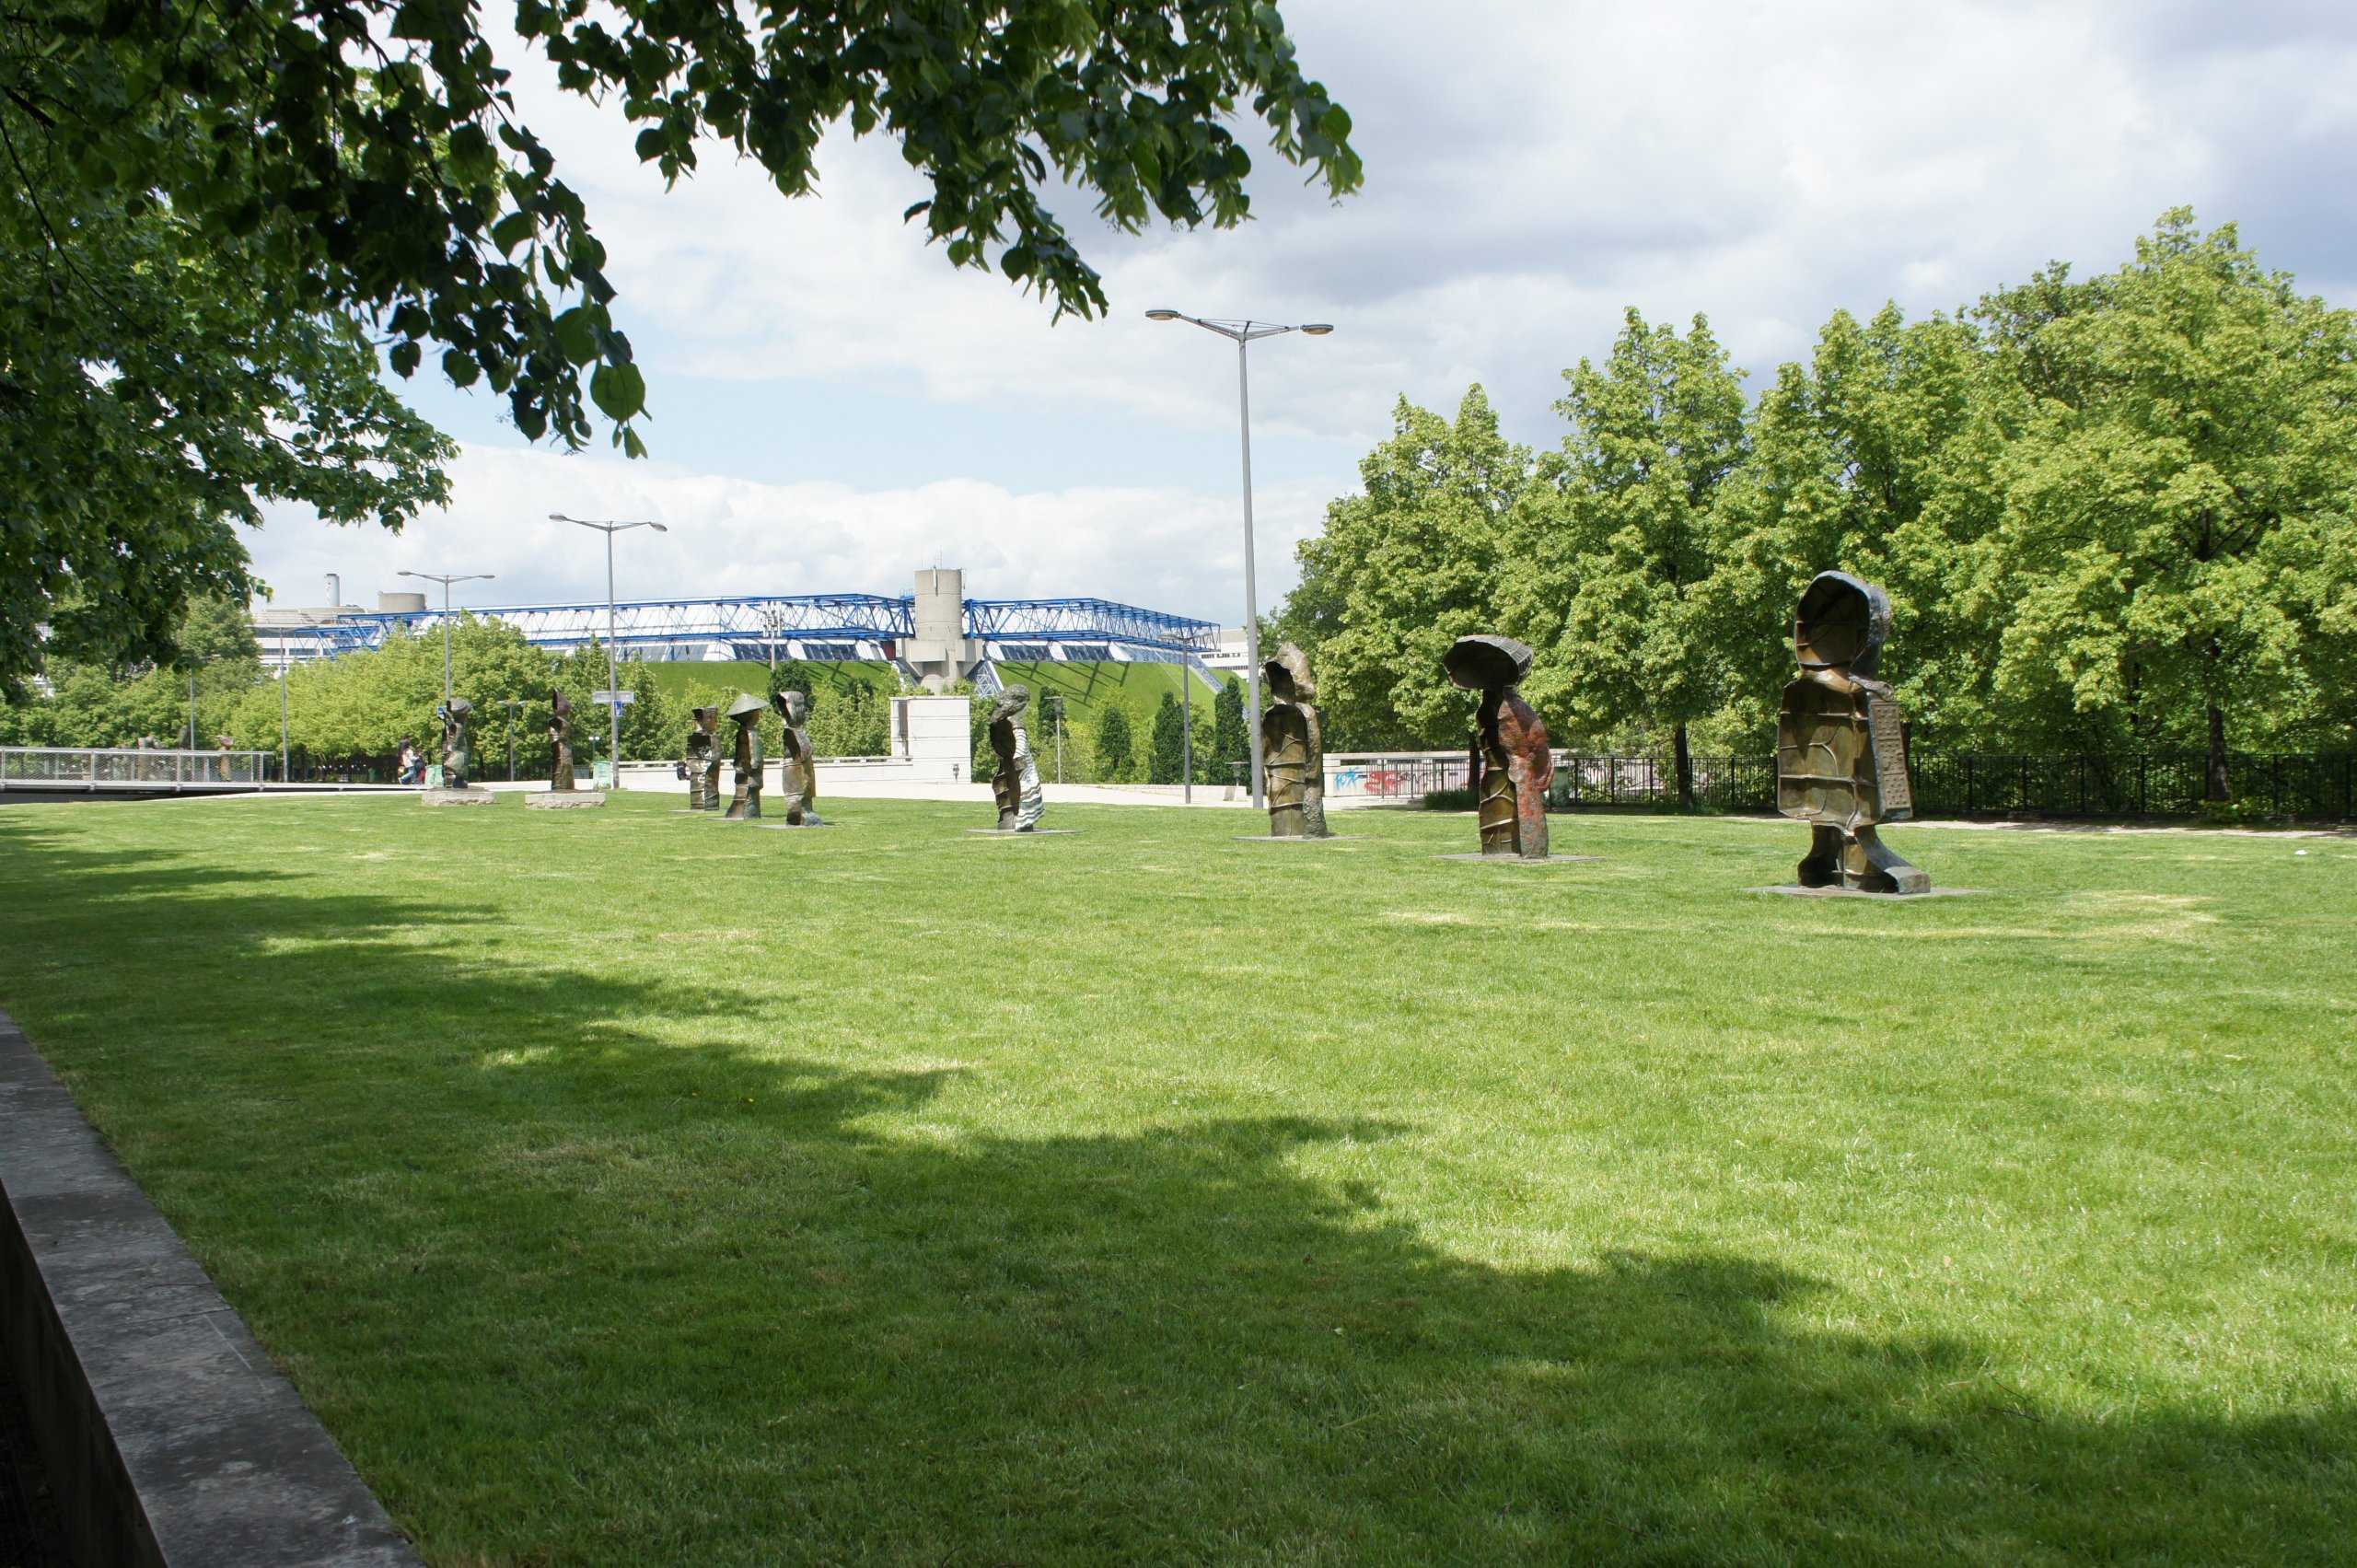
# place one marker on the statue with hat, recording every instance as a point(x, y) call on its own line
point(1841, 751)
point(1516, 763)
point(746, 711)
point(799, 771)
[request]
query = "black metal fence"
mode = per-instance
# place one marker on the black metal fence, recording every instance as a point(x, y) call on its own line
point(1976, 783)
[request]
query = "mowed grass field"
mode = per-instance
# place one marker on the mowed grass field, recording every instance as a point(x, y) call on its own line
point(630, 1188)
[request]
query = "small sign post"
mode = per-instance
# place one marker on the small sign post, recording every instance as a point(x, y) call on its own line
point(614, 699)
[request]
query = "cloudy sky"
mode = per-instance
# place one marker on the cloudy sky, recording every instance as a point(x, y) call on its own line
point(835, 407)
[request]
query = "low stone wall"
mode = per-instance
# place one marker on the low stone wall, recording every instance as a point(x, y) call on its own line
point(170, 1439)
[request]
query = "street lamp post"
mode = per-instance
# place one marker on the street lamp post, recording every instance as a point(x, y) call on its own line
point(1243, 334)
point(613, 649)
point(445, 582)
point(1186, 735)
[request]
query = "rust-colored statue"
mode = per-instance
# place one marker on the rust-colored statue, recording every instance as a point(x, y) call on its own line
point(799, 770)
point(1293, 752)
point(1841, 758)
point(746, 711)
point(560, 741)
point(1016, 781)
point(703, 761)
point(1516, 764)
point(457, 756)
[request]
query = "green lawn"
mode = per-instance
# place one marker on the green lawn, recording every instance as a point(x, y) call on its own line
point(629, 1188)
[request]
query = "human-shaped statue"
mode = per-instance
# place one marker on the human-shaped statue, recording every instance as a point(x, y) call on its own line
point(1017, 782)
point(560, 741)
point(703, 762)
point(1293, 751)
point(1516, 764)
point(456, 756)
point(799, 770)
point(1841, 757)
point(746, 711)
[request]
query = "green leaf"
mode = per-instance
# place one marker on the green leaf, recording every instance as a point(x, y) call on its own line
point(619, 390)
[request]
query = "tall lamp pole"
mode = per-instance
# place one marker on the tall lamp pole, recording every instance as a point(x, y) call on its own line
point(1243, 334)
point(613, 649)
point(445, 582)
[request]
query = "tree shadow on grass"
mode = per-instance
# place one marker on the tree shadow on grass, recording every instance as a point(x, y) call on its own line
point(589, 1297)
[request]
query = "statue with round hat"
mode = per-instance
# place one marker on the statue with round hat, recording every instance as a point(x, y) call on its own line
point(746, 711)
point(1516, 763)
point(1841, 749)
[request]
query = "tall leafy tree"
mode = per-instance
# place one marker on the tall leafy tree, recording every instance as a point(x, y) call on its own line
point(1877, 457)
point(1165, 758)
point(2175, 547)
point(1402, 570)
point(153, 392)
point(213, 212)
point(1619, 536)
point(1231, 745)
point(1116, 745)
point(372, 152)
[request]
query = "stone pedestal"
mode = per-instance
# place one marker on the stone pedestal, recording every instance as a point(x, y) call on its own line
point(471, 795)
point(563, 799)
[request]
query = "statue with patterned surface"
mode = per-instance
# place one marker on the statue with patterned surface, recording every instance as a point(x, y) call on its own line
point(1516, 763)
point(1841, 750)
point(1015, 783)
point(1293, 751)
point(800, 769)
point(746, 711)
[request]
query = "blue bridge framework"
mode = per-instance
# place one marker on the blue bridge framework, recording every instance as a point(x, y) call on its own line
point(805, 626)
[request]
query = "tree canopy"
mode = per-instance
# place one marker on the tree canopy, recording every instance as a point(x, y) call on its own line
point(218, 212)
point(2117, 513)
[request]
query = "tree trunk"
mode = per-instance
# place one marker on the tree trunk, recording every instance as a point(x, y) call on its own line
point(2217, 753)
point(1685, 767)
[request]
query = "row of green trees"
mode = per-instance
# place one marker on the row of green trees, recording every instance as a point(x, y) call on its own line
point(1112, 744)
point(2114, 514)
point(367, 704)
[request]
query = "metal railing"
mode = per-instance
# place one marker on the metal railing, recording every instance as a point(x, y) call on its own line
point(105, 768)
point(1961, 784)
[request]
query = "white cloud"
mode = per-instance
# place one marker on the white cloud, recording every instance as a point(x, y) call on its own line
point(1534, 167)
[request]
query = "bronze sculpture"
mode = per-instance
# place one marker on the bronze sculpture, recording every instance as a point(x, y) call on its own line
point(746, 711)
point(1293, 751)
point(560, 741)
point(703, 762)
point(1016, 781)
point(1841, 756)
point(1516, 763)
point(456, 756)
point(799, 771)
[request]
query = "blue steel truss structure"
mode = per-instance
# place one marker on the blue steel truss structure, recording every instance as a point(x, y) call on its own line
point(870, 625)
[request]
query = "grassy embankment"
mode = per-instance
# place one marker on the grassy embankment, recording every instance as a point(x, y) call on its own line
point(629, 1188)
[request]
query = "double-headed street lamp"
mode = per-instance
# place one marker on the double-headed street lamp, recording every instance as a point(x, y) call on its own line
point(445, 582)
point(613, 649)
point(1243, 333)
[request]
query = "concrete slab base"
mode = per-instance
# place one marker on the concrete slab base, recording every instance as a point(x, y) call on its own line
point(564, 800)
point(473, 795)
point(169, 1438)
point(1517, 860)
point(1021, 833)
point(797, 827)
point(1795, 890)
point(1300, 839)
